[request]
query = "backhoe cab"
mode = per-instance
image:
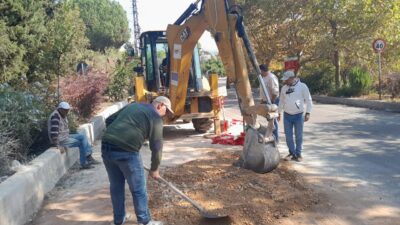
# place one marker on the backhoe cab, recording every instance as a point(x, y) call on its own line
point(154, 78)
point(170, 66)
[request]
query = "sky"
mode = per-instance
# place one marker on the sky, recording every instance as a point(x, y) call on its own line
point(157, 14)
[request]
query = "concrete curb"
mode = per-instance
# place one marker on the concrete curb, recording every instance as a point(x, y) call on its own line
point(361, 103)
point(377, 105)
point(22, 194)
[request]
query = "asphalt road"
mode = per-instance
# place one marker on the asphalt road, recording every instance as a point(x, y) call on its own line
point(351, 155)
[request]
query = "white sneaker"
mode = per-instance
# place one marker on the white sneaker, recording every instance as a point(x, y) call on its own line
point(126, 218)
point(153, 222)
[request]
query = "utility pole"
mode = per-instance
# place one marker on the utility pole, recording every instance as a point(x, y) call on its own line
point(136, 27)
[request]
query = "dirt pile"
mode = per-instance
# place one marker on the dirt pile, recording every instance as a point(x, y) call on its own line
point(249, 198)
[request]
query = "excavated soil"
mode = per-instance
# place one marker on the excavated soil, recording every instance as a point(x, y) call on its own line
point(247, 197)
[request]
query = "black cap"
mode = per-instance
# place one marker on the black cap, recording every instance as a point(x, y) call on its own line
point(264, 67)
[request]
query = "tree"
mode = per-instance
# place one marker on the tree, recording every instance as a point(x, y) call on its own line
point(389, 32)
point(106, 23)
point(11, 56)
point(351, 25)
point(23, 34)
point(66, 42)
point(337, 31)
point(38, 40)
point(280, 29)
point(213, 65)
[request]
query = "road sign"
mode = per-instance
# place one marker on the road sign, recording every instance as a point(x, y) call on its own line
point(378, 45)
point(291, 63)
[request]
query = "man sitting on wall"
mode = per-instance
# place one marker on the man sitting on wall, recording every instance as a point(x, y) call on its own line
point(59, 136)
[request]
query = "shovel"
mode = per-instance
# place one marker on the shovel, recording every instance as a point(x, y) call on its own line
point(202, 211)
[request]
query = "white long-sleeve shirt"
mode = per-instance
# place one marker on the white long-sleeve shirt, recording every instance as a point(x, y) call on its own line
point(272, 84)
point(295, 99)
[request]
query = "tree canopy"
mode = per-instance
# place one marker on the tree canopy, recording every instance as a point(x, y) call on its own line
point(37, 39)
point(106, 23)
point(318, 31)
point(23, 31)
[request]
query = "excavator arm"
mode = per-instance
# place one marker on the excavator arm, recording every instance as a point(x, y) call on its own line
point(225, 26)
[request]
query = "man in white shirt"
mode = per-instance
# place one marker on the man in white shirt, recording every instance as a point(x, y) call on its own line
point(272, 84)
point(295, 99)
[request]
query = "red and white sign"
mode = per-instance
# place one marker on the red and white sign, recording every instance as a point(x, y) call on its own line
point(378, 45)
point(291, 63)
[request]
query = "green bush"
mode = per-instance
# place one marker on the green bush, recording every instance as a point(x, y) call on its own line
point(213, 65)
point(319, 79)
point(22, 116)
point(120, 83)
point(343, 92)
point(359, 81)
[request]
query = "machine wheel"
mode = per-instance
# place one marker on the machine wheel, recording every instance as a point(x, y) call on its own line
point(202, 125)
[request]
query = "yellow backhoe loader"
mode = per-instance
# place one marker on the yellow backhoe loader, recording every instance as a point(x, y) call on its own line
point(170, 66)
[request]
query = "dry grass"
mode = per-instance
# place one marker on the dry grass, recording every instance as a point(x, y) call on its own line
point(8, 145)
point(385, 98)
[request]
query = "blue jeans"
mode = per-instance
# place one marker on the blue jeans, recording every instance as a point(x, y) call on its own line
point(122, 165)
point(81, 141)
point(294, 121)
point(276, 130)
point(276, 124)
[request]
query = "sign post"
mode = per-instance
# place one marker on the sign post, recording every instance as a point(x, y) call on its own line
point(378, 45)
point(292, 63)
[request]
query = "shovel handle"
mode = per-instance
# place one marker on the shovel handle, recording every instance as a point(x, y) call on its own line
point(171, 186)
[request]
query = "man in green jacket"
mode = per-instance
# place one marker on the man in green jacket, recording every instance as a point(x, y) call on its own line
point(125, 134)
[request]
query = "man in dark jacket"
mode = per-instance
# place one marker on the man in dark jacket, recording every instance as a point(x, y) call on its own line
point(125, 134)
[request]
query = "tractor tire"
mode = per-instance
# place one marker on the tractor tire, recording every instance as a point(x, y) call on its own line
point(202, 125)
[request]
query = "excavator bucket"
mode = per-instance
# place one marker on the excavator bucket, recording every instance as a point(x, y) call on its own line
point(258, 154)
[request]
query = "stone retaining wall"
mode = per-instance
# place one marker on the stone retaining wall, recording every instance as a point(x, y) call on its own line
point(22, 194)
